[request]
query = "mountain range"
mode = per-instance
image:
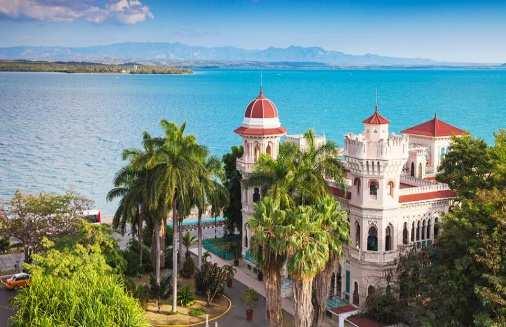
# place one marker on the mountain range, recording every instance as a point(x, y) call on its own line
point(182, 54)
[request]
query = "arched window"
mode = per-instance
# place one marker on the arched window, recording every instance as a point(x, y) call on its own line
point(357, 235)
point(436, 228)
point(413, 232)
point(412, 173)
point(423, 230)
point(367, 166)
point(370, 292)
point(269, 150)
point(372, 165)
point(245, 237)
point(420, 175)
point(405, 234)
point(388, 238)
point(355, 294)
point(378, 165)
point(372, 239)
point(257, 152)
point(373, 188)
point(256, 194)
point(356, 182)
point(391, 188)
point(418, 231)
point(428, 229)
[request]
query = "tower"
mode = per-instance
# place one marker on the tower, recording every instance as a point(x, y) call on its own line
point(261, 131)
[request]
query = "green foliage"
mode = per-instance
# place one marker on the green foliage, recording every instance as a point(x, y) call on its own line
point(232, 211)
point(185, 296)
point(131, 255)
point(86, 67)
point(384, 307)
point(4, 245)
point(250, 298)
point(210, 281)
point(188, 241)
point(75, 287)
point(188, 267)
point(196, 312)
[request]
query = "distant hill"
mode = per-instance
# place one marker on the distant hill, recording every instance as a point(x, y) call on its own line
point(170, 53)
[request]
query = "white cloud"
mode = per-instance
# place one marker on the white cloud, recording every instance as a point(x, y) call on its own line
point(122, 11)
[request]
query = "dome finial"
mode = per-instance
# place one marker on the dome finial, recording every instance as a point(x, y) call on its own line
point(376, 106)
point(435, 115)
point(261, 93)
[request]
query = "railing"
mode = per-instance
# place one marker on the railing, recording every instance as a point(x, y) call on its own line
point(244, 165)
point(414, 181)
point(372, 256)
point(424, 189)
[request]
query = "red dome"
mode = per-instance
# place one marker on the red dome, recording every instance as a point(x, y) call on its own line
point(376, 118)
point(261, 107)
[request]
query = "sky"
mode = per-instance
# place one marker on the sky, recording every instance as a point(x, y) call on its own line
point(446, 30)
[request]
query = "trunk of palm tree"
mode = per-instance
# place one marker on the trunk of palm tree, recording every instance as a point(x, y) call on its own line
point(302, 289)
point(273, 296)
point(139, 233)
point(156, 241)
point(199, 242)
point(321, 285)
point(163, 246)
point(174, 255)
point(180, 249)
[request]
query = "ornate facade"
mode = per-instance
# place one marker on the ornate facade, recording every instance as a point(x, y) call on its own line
point(391, 195)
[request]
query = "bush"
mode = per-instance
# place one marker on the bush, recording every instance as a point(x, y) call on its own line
point(4, 245)
point(188, 267)
point(211, 281)
point(131, 256)
point(196, 312)
point(185, 296)
point(75, 287)
point(384, 307)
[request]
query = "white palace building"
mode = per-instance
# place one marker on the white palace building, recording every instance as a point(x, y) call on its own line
point(391, 194)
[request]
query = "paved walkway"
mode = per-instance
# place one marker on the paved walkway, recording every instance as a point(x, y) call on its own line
point(8, 262)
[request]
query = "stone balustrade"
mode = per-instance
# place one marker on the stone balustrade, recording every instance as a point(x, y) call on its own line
point(372, 256)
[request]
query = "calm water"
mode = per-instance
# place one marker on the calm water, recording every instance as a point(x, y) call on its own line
point(66, 131)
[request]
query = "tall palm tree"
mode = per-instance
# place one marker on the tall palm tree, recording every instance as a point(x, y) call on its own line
point(308, 254)
point(336, 225)
point(270, 227)
point(209, 193)
point(177, 163)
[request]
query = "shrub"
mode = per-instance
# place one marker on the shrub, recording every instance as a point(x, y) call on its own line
point(131, 256)
point(250, 298)
point(188, 268)
point(185, 296)
point(196, 312)
point(4, 245)
point(211, 281)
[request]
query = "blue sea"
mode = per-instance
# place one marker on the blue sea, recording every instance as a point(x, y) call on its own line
point(63, 132)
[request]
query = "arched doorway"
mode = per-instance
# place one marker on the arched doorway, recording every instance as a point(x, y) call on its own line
point(405, 234)
point(428, 229)
point(418, 231)
point(356, 182)
point(355, 294)
point(412, 172)
point(372, 239)
point(370, 292)
point(373, 188)
point(436, 228)
point(357, 235)
point(423, 230)
point(413, 232)
point(269, 150)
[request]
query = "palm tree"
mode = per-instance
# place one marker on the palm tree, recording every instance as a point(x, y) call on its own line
point(308, 253)
point(177, 163)
point(336, 225)
point(270, 227)
point(188, 240)
point(210, 192)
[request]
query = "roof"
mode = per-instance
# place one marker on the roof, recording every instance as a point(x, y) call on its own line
point(376, 119)
point(434, 128)
point(344, 309)
point(261, 107)
point(364, 322)
point(445, 194)
point(340, 192)
point(252, 131)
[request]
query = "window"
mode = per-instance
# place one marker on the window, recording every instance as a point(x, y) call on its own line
point(373, 188)
point(356, 182)
point(423, 230)
point(405, 234)
point(418, 231)
point(388, 239)
point(370, 292)
point(269, 150)
point(245, 237)
point(413, 232)
point(257, 152)
point(428, 229)
point(256, 194)
point(420, 175)
point(357, 235)
point(412, 173)
point(436, 228)
point(372, 239)
point(391, 187)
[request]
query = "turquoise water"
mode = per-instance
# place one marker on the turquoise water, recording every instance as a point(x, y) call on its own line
point(66, 131)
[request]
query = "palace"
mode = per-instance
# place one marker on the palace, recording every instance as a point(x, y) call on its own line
point(390, 193)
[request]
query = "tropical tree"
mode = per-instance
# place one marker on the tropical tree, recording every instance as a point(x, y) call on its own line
point(233, 210)
point(308, 250)
point(270, 227)
point(188, 240)
point(177, 164)
point(334, 222)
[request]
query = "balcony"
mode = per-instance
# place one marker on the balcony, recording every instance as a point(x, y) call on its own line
point(372, 256)
point(243, 165)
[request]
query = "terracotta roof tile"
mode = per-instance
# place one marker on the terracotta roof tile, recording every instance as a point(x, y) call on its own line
point(427, 196)
point(376, 119)
point(249, 131)
point(435, 128)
